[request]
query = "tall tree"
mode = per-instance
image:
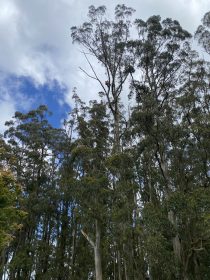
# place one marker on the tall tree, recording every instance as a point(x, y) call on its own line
point(118, 194)
point(11, 215)
point(203, 33)
point(107, 41)
point(33, 140)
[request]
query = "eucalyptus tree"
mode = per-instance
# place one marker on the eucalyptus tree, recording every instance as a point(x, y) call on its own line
point(11, 214)
point(132, 192)
point(170, 74)
point(34, 145)
point(89, 154)
point(193, 105)
point(106, 40)
point(160, 52)
point(203, 33)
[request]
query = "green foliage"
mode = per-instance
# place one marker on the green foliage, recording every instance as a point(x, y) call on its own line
point(124, 191)
point(203, 33)
point(11, 215)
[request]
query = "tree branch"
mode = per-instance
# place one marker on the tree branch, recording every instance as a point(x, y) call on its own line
point(87, 73)
point(88, 238)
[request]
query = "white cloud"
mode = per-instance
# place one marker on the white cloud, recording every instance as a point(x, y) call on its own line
point(9, 104)
point(7, 109)
point(11, 99)
point(36, 42)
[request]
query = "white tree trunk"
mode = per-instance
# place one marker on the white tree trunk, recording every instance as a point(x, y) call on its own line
point(97, 253)
point(97, 250)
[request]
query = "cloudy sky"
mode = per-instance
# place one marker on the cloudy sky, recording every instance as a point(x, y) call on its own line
point(39, 64)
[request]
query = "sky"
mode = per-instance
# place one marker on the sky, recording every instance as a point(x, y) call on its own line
point(40, 65)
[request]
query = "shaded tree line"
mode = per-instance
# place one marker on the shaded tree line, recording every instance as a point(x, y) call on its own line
point(119, 193)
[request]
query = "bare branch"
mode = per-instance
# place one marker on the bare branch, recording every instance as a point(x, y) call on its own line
point(94, 72)
point(88, 239)
point(87, 73)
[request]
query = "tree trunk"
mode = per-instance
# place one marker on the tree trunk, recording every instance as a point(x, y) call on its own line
point(97, 253)
point(176, 241)
point(74, 234)
point(97, 250)
point(119, 265)
point(2, 262)
point(171, 216)
point(116, 146)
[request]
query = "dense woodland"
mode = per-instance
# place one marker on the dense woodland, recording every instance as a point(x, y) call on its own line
point(120, 192)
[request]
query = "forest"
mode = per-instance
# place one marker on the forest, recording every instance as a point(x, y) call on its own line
point(119, 192)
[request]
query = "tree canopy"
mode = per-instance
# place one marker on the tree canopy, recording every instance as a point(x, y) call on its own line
point(120, 192)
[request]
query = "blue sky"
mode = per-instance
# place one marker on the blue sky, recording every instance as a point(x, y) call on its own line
point(25, 94)
point(40, 65)
point(51, 94)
